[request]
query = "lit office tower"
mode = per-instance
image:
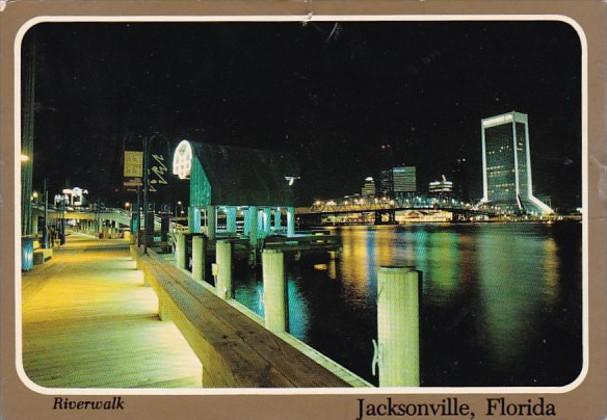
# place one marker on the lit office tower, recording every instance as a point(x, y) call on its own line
point(398, 180)
point(368, 187)
point(507, 164)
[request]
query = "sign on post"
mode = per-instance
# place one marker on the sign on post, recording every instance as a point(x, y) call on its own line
point(133, 164)
point(133, 169)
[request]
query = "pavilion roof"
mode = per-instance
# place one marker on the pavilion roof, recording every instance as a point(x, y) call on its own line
point(240, 176)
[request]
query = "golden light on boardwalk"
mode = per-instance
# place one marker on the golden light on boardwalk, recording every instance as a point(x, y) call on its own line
point(88, 321)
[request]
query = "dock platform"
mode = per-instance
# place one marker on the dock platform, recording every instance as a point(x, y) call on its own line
point(89, 322)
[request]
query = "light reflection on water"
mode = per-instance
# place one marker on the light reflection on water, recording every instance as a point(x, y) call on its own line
point(501, 303)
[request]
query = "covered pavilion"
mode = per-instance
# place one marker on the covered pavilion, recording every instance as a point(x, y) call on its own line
point(245, 187)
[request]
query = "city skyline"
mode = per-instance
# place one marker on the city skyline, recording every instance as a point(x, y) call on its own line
point(348, 99)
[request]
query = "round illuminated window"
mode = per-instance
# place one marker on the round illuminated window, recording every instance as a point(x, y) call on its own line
point(182, 160)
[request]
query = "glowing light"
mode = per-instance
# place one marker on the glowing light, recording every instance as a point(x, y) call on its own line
point(497, 120)
point(24, 158)
point(182, 160)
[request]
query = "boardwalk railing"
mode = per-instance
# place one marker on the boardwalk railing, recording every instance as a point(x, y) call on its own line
point(234, 349)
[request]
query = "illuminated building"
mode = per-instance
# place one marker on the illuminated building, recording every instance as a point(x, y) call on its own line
point(368, 187)
point(398, 180)
point(440, 187)
point(72, 197)
point(233, 181)
point(507, 164)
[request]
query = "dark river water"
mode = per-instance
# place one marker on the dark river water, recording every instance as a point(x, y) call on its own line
point(501, 303)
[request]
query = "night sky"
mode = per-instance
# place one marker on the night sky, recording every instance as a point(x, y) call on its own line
point(346, 99)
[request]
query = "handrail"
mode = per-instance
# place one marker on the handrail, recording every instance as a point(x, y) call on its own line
point(234, 350)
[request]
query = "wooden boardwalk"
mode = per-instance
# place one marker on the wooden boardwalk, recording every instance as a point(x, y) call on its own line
point(88, 321)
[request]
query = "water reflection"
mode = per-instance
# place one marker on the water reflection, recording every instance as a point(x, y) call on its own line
point(357, 273)
point(444, 271)
point(494, 307)
point(510, 284)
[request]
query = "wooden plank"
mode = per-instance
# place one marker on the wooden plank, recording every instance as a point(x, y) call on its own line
point(88, 322)
point(220, 350)
point(234, 349)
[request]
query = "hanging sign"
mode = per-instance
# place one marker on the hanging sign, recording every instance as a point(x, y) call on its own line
point(133, 169)
point(133, 164)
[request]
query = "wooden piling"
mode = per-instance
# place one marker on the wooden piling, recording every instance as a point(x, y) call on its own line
point(180, 251)
point(277, 218)
point(275, 297)
point(199, 257)
point(231, 219)
point(223, 287)
point(253, 226)
point(267, 220)
point(398, 326)
point(194, 219)
point(290, 221)
point(211, 222)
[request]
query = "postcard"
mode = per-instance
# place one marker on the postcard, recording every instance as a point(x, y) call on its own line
point(303, 210)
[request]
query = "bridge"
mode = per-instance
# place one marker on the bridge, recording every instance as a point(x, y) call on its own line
point(385, 206)
point(115, 217)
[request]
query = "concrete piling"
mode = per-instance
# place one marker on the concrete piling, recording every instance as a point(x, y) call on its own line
point(290, 221)
point(267, 220)
point(274, 291)
point(231, 219)
point(199, 257)
point(180, 251)
point(223, 287)
point(277, 218)
point(194, 219)
point(211, 222)
point(398, 326)
point(253, 226)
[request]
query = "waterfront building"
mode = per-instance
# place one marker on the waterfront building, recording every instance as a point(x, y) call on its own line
point(232, 181)
point(440, 187)
point(368, 187)
point(398, 180)
point(506, 156)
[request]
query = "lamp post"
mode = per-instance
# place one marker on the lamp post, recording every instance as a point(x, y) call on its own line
point(45, 225)
point(62, 229)
point(146, 165)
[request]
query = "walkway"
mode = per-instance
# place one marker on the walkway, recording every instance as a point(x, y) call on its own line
point(88, 321)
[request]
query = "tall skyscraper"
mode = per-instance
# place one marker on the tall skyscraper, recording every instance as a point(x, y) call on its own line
point(398, 180)
point(507, 164)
